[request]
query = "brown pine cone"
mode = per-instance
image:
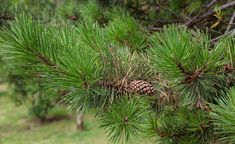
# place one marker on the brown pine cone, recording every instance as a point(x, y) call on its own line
point(141, 87)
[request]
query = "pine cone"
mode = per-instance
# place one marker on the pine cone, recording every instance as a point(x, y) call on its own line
point(141, 87)
point(136, 86)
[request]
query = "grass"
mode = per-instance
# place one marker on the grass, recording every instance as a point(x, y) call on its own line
point(16, 127)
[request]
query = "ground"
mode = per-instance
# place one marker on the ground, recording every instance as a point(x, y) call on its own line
point(16, 127)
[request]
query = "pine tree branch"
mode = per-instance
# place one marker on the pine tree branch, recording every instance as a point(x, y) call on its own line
point(161, 21)
point(46, 60)
point(225, 6)
point(207, 13)
point(230, 22)
point(221, 36)
point(194, 76)
point(180, 67)
point(132, 87)
point(208, 6)
point(201, 127)
point(6, 17)
point(211, 3)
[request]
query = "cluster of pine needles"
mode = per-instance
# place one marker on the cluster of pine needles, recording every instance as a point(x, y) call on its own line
point(173, 85)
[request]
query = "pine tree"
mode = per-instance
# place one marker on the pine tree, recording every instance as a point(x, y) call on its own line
point(172, 85)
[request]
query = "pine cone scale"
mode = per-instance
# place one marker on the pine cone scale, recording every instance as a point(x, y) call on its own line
point(141, 87)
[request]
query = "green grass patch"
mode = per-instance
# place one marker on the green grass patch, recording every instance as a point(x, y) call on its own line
point(17, 127)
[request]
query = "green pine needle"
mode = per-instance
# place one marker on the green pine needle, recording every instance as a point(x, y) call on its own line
point(124, 120)
point(223, 117)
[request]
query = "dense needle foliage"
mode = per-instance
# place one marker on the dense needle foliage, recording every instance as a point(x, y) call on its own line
point(107, 60)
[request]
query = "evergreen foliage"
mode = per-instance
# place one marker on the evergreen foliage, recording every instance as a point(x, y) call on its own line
point(97, 60)
point(125, 119)
point(185, 58)
point(223, 117)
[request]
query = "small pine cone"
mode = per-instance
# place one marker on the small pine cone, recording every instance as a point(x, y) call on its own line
point(228, 67)
point(141, 87)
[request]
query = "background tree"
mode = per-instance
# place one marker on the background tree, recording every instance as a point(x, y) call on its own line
point(30, 92)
